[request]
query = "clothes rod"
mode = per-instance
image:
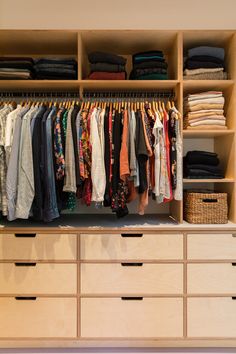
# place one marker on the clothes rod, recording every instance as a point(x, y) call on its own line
point(128, 94)
point(42, 94)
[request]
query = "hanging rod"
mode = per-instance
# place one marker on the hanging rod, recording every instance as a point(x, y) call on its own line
point(128, 94)
point(32, 94)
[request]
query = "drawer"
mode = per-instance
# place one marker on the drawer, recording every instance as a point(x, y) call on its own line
point(212, 278)
point(211, 246)
point(114, 317)
point(212, 317)
point(131, 278)
point(131, 246)
point(38, 246)
point(38, 278)
point(42, 317)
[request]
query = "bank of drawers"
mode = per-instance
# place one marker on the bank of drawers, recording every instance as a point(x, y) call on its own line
point(211, 283)
point(38, 292)
point(123, 279)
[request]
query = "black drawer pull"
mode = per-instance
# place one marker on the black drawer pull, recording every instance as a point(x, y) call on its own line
point(26, 298)
point(233, 297)
point(131, 235)
point(132, 264)
point(206, 200)
point(25, 235)
point(139, 298)
point(19, 264)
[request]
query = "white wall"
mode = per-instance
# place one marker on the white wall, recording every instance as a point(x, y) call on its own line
point(118, 14)
point(126, 14)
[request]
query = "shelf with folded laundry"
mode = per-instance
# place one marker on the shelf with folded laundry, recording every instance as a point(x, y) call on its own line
point(209, 109)
point(39, 55)
point(208, 56)
point(205, 166)
point(143, 55)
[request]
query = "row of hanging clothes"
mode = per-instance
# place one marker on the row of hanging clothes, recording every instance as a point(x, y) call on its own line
point(106, 150)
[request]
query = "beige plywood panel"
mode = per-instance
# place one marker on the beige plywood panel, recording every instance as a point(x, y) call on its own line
point(38, 246)
point(212, 317)
point(114, 317)
point(43, 317)
point(141, 246)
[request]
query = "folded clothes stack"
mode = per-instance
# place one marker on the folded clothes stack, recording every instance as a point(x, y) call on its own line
point(149, 66)
point(205, 63)
point(55, 69)
point(106, 66)
point(16, 68)
point(202, 164)
point(204, 110)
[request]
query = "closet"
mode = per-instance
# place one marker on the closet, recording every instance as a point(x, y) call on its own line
point(90, 280)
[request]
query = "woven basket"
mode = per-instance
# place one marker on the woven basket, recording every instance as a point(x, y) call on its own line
point(205, 207)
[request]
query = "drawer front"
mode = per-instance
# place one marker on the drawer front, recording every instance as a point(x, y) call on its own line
point(212, 317)
point(131, 278)
point(211, 246)
point(43, 317)
point(38, 246)
point(38, 278)
point(140, 246)
point(211, 278)
point(114, 317)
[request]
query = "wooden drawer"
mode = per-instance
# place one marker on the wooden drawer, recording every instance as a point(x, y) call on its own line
point(114, 317)
point(43, 317)
point(211, 246)
point(131, 278)
point(132, 247)
point(38, 246)
point(212, 317)
point(38, 278)
point(212, 278)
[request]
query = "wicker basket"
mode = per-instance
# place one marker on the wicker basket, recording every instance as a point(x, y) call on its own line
point(205, 207)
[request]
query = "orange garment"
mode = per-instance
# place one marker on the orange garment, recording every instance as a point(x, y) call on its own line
point(132, 191)
point(124, 157)
point(143, 198)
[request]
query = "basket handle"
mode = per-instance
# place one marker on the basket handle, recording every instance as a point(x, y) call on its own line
point(207, 200)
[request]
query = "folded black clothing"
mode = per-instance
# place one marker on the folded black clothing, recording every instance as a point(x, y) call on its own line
point(150, 64)
point(107, 67)
point(193, 64)
point(139, 72)
point(17, 65)
point(149, 55)
point(55, 70)
point(201, 157)
point(207, 58)
point(66, 61)
point(17, 59)
point(198, 173)
point(55, 66)
point(55, 77)
point(103, 57)
point(209, 168)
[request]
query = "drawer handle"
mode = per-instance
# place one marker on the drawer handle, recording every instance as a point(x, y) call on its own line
point(206, 200)
point(18, 264)
point(25, 235)
point(131, 235)
point(132, 264)
point(233, 297)
point(132, 298)
point(28, 298)
point(233, 235)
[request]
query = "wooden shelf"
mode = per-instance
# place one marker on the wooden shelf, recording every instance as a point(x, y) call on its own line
point(39, 85)
point(207, 84)
point(211, 180)
point(128, 84)
point(206, 133)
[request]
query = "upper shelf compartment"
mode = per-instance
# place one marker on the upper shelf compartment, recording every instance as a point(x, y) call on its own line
point(212, 38)
point(37, 43)
point(126, 43)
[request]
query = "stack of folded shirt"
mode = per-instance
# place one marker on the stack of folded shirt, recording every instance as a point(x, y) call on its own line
point(106, 66)
point(14, 68)
point(55, 69)
point(205, 63)
point(149, 66)
point(202, 164)
point(204, 110)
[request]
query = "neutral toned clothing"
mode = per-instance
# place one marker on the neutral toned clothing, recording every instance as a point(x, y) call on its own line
point(219, 75)
point(202, 71)
point(70, 177)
